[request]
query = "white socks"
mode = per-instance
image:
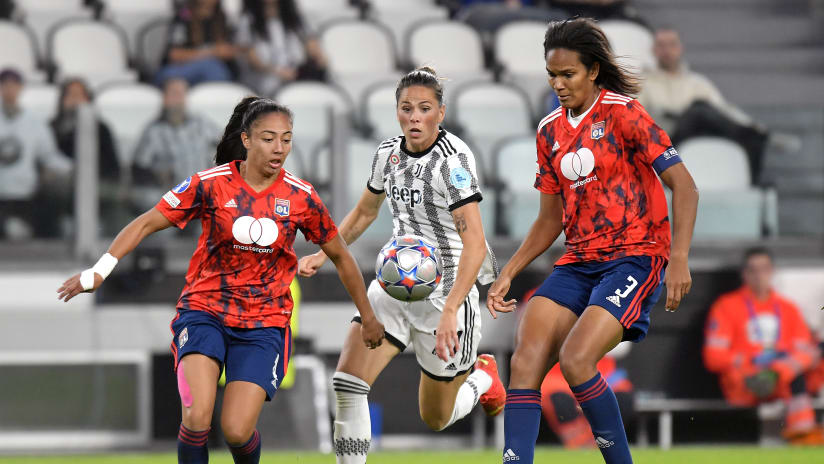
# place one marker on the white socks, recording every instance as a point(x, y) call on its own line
point(473, 387)
point(353, 429)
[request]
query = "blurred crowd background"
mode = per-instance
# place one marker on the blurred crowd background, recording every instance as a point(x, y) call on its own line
point(106, 104)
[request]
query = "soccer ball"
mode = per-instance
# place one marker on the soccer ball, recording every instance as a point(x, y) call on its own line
point(408, 268)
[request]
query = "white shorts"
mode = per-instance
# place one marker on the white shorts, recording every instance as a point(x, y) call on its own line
point(415, 322)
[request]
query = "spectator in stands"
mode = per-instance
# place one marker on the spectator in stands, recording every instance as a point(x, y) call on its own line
point(686, 103)
point(598, 9)
point(277, 46)
point(758, 343)
point(31, 166)
point(172, 147)
point(10, 11)
point(199, 44)
point(73, 93)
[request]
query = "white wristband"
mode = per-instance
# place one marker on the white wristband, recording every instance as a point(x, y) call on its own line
point(104, 267)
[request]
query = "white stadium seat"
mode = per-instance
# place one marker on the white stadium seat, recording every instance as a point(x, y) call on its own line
point(518, 159)
point(40, 100)
point(345, 44)
point(93, 50)
point(631, 43)
point(132, 16)
point(379, 111)
point(216, 100)
point(452, 48)
point(488, 113)
point(399, 17)
point(318, 12)
point(519, 49)
point(19, 51)
point(128, 109)
point(311, 102)
point(729, 206)
point(41, 16)
point(151, 46)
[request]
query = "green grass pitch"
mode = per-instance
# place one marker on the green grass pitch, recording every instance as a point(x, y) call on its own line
point(683, 455)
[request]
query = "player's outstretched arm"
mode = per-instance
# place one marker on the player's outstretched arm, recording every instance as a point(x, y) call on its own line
point(371, 328)
point(546, 228)
point(352, 226)
point(684, 208)
point(89, 280)
point(467, 219)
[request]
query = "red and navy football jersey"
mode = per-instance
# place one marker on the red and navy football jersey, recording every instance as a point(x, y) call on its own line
point(606, 173)
point(244, 261)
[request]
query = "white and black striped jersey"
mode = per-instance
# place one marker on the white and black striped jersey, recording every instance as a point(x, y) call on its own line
point(422, 190)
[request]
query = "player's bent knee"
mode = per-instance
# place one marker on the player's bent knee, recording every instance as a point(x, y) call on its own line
point(575, 366)
point(196, 418)
point(235, 433)
point(435, 423)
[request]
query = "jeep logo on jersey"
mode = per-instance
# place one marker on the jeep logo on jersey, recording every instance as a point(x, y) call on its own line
point(406, 195)
point(249, 230)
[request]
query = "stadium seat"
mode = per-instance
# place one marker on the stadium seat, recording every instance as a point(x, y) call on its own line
point(452, 48)
point(345, 42)
point(518, 49)
point(400, 16)
point(631, 42)
point(93, 50)
point(128, 109)
point(520, 202)
point(40, 100)
point(729, 206)
point(378, 109)
point(41, 16)
point(318, 12)
point(151, 46)
point(216, 100)
point(310, 102)
point(487, 113)
point(19, 51)
point(133, 16)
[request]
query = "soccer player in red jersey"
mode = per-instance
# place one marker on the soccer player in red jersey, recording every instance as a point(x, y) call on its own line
point(236, 305)
point(600, 157)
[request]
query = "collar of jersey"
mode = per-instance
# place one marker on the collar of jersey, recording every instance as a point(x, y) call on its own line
point(441, 134)
point(236, 171)
point(590, 112)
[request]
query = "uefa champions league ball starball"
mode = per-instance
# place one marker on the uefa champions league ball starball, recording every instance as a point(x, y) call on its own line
point(408, 268)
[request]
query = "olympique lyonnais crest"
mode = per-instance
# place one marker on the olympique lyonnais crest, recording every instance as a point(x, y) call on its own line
point(281, 207)
point(597, 130)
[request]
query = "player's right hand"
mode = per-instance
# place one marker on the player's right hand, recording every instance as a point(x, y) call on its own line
point(71, 287)
point(309, 265)
point(372, 332)
point(495, 297)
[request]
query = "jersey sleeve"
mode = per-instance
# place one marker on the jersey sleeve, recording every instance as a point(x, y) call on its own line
point(375, 182)
point(648, 139)
point(802, 352)
point(460, 180)
point(545, 179)
point(719, 355)
point(182, 203)
point(317, 224)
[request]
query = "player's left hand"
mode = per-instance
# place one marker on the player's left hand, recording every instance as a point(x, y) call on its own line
point(678, 282)
point(446, 336)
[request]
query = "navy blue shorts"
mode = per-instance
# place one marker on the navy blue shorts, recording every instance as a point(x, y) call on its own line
point(626, 287)
point(259, 356)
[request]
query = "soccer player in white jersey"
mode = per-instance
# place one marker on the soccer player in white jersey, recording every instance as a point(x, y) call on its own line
point(428, 179)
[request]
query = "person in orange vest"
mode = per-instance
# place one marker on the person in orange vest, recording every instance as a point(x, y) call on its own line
point(758, 343)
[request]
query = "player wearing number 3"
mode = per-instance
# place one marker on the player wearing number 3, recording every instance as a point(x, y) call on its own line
point(598, 156)
point(235, 307)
